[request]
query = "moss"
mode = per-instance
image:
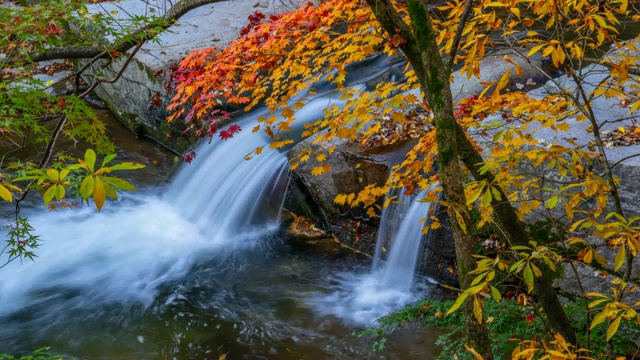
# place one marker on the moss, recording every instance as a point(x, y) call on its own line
point(423, 31)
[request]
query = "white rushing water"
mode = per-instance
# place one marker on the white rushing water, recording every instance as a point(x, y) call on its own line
point(363, 298)
point(217, 204)
point(122, 255)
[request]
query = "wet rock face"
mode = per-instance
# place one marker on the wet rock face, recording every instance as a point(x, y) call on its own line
point(352, 169)
point(493, 66)
point(439, 253)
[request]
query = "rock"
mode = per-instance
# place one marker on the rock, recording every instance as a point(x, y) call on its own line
point(439, 253)
point(352, 169)
point(304, 229)
point(207, 26)
point(492, 67)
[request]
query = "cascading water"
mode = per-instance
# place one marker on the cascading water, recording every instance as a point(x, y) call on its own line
point(227, 196)
point(401, 225)
point(363, 298)
point(136, 280)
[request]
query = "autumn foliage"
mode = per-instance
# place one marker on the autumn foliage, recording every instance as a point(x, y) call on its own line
point(276, 60)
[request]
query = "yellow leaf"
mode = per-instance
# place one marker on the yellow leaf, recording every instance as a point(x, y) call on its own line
point(320, 169)
point(504, 80)
point(588, 257)
point(621, 129)
point(477, 309)
point(474, 353)
point(534, 50)
point(620, 256)
point(613, 328)
point(287, 113)
point(5, 194)
point(99, 193)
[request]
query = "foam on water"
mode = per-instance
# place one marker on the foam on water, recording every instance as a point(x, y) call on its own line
point(119, 255)
point(390, 285)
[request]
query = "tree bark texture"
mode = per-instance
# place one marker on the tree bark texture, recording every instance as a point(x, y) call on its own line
point(423, 53)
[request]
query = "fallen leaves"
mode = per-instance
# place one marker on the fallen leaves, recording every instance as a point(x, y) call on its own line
point(619, 137)
point(391, 131)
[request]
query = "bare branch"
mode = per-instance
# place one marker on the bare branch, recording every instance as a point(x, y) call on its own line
point(456, 40)
point(142, 34)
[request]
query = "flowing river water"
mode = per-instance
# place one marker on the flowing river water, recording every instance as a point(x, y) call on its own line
point(191, 268)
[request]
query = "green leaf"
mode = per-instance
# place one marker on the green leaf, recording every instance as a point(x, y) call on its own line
point(5, 194)
point(613, 328)
point(64, 173)
point(60, 192)
point(536, 271)
point(99, 194)
point(126, 166)
point(527, 275)
point(90, 159)
point(495, 293)
point(477, 279)
point(551, 203)
point(496, 193)
point(118, 183)
point(76, 166)
point(53, 174)
point(107, 158)
point(620, 256)
point(26, 177)
point(49, 194)
point(111, 192)
point(86, 187)
point(515, 266)
point(486, 199)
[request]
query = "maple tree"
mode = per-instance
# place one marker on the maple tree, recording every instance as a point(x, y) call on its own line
point(277, 59)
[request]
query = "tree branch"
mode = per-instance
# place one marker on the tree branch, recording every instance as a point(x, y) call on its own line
point(458, 36)
point(142, 34)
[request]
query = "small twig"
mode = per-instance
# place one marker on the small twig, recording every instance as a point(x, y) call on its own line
point(458, 36)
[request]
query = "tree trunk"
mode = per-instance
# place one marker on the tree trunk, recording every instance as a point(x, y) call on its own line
point(515, 231)
point(434, 79)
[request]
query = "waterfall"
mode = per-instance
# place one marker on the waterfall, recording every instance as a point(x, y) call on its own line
point(213, 206)
point(225, 195)
point(390, 283)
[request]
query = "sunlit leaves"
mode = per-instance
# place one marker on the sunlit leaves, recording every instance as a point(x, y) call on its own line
point(91, 183)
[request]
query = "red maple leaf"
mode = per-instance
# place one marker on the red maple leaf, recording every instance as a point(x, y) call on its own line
point(234, 129)
point(225, 135)
point(53, 29)
point(188, 157)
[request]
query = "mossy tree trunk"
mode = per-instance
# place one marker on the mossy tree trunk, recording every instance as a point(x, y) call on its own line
point(423, 53)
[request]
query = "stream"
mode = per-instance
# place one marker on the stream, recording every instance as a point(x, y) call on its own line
point(191, 268)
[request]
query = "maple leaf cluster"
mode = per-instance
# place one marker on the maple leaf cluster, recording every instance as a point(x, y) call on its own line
point(275, 59)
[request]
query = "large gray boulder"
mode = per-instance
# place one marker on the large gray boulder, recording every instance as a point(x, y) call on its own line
point(208, 26)
point(493, 66)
